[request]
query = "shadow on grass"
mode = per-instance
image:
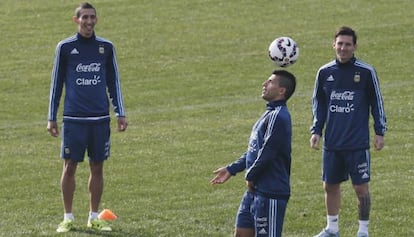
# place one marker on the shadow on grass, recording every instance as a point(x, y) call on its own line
point(115, 232)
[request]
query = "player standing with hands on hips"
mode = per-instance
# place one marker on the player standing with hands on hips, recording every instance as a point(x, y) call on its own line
point(346, 91)
point(267, 162)
point(86, 66)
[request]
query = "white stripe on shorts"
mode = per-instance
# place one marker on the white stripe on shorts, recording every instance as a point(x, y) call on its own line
point(272, 217)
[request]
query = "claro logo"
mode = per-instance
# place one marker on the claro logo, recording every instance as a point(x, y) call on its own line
point(88, 68)
point(88, 81)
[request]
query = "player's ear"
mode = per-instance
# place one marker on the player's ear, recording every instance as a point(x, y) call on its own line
point(282, 90)
point(75, 19)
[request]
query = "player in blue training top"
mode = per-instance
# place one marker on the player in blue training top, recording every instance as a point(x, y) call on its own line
point(346, 91)
point(86, 66)
point(267, 162)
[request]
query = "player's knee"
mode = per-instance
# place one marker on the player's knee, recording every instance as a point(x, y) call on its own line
point(362, 190)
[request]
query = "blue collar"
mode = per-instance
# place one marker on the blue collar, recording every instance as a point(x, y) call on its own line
point(350, 62)
point(80, 37)
point(273, 104)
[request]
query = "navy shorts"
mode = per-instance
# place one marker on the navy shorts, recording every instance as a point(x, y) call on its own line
point(265, 215)
point(91, 137)
point(338, 166)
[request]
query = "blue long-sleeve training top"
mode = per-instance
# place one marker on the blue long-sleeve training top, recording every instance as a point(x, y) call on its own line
point(268, 157)
point(87, 68)
point(344, 95)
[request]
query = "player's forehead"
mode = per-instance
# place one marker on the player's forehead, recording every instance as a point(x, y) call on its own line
point(344, 39)
point(87, 12)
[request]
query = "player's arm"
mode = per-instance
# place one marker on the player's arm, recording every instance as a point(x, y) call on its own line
point(237, 166)
point(318, 112)
point(56, 87)
point(114, 84)
point(377, 106)
point(225, 173)
point(377, 111)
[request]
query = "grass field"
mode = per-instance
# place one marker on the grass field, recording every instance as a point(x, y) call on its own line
point(191, 75)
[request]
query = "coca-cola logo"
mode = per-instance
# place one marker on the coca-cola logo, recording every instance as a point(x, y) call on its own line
point(93, 67)
point(346, 95)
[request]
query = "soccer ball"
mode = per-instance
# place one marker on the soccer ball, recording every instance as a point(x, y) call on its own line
point(284, 51)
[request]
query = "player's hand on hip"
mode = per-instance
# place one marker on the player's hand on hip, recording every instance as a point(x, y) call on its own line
point(314, 141)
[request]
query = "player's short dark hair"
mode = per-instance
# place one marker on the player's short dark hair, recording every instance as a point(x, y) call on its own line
point(84, 5)
point(286, 80)
point(345, 30)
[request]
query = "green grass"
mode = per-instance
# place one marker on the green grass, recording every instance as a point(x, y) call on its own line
point(191, 75)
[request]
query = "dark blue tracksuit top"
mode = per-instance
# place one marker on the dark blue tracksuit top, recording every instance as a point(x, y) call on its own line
point(88, 70)
point(344, 95)
point(268, 157)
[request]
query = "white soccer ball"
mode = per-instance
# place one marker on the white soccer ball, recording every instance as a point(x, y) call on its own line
point(284, 51)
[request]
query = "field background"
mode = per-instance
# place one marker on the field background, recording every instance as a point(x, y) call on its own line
point(191, 75)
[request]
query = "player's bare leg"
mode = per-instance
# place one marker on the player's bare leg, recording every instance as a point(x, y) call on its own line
point(364, 207)
point(364, 200)
point(332, 203)
point(332, 198)
point(96, 183)
point(68, 183)
point(244, 232)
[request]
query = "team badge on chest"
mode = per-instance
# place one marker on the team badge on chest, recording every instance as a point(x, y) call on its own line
point(357, 77)
point(101, 49)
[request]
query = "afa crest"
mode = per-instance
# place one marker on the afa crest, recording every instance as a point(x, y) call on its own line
point(357, 77)
point(101, 49)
